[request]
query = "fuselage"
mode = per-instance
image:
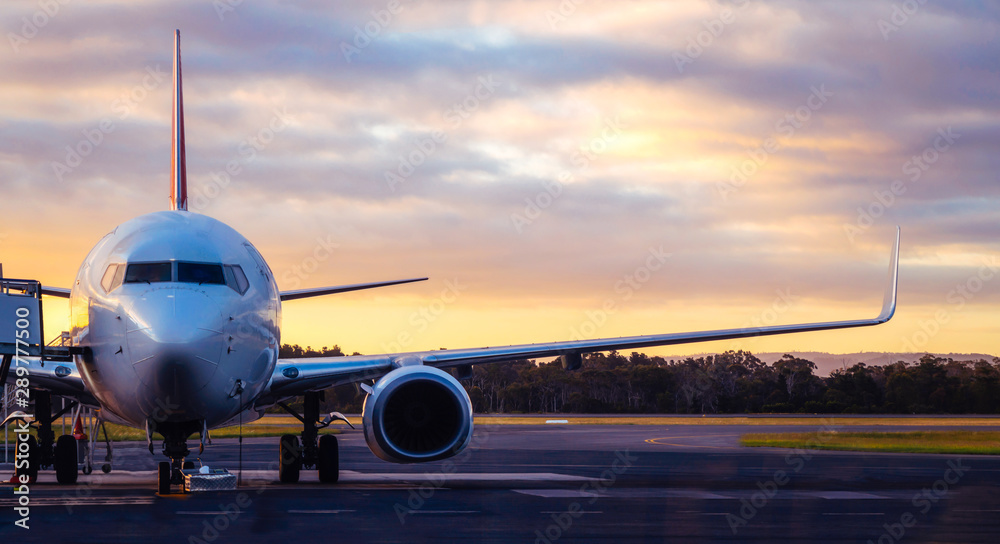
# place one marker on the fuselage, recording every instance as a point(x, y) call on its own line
point(179, 317)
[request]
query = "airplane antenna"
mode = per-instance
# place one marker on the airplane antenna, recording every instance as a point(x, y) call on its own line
point(178, 162)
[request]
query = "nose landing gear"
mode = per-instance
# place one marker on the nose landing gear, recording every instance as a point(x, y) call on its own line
point(175, 448)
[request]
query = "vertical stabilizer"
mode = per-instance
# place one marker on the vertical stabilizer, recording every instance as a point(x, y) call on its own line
point(178, 164)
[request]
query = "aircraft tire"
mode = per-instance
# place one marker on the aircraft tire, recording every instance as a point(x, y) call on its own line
point(65, 459)
point(31, 471)
point(329, 459)
point(289, 459)
point(163, 478)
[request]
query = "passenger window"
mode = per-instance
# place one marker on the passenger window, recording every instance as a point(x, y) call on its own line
point(107, 282)
point(236, 279)
point(200, 273)
point(148, 272)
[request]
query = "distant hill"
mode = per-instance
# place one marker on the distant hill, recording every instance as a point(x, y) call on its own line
point(828, 362)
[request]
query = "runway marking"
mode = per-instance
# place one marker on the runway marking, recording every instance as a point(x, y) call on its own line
point(446, 479)
point(81, 501)
point(658, 443)
point(595, 465)
point(320, 511)
point(622, 494)
point(841, 495)
point(444, 511)
point(577, 512)
point(558, 493)
point(700, 494)
point(201, 513)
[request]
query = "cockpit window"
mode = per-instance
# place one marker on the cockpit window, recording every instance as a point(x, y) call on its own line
point(109, 276)
point(185, 272)
point(261, 263)
point(200, 273)
point(236, 279)
point(119, 276)
point(148, 272)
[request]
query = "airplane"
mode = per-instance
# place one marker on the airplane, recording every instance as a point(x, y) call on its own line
point(175, 324)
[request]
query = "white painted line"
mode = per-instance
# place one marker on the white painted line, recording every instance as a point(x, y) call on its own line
point(841, 495)
point(444, 511)
point(319, 511)
point(557, 421)
point(577, 512)
point(202, 513)
point(624, 493)
point(81, 501)
point(557, 493)
point(445, 479)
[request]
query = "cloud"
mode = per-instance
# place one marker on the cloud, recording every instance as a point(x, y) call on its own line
point(534, 142)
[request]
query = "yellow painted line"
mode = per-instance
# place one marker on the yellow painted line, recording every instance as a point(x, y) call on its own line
point(658, 443)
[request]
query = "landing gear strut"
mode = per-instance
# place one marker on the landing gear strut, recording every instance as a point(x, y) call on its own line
point(321, 454)
point(48, 453)
point(175, 448)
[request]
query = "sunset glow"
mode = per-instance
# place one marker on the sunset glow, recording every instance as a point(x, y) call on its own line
point(693, 165)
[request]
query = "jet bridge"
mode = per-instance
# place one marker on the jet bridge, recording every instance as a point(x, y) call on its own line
point(22, 325)
point(21, 332)
point(20, 318)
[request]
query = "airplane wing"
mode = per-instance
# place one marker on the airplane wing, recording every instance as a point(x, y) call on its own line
point(319, 291)
point(296, 376)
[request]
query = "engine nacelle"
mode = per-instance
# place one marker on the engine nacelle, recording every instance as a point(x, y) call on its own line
point(416, 414)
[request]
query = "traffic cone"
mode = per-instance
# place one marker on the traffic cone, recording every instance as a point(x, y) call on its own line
point(78, 429)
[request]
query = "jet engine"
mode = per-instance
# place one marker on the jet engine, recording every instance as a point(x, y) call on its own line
point(416, 414)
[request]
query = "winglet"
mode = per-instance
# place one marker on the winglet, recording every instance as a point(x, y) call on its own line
point(178, 164)
point(889, 302)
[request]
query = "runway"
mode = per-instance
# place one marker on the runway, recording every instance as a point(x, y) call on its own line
point(542, 483)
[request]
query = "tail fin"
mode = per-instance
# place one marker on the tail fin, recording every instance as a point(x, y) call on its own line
point(178, 164)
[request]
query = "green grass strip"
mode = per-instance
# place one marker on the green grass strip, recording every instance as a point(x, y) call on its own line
point(952, 442)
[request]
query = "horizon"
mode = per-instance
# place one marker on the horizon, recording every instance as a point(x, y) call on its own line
point(591, 174)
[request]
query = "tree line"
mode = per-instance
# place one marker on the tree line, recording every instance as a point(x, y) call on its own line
point(728, 383)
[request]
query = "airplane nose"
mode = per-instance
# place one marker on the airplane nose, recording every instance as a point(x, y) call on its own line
point(175, 339)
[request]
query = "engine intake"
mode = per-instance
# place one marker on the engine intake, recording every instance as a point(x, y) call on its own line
point(416, 414)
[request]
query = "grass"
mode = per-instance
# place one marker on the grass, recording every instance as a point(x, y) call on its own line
point(953, 442)
point(121, 433)
point(277, 425)
point(763, 420)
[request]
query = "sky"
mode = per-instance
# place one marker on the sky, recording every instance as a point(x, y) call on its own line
point(558, 169)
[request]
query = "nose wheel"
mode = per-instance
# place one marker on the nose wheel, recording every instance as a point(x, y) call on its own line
point(163, 478)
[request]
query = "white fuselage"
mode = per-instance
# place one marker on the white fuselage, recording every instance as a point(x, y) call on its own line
point(165, 338)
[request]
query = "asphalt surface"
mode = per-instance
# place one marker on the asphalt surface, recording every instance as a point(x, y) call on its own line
point(539, 483)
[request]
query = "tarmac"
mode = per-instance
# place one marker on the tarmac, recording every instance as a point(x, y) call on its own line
point(538, 483)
